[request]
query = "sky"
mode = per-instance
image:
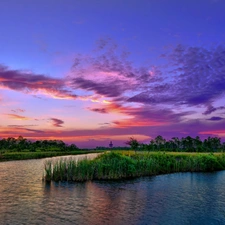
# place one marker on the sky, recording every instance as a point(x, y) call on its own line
point(93, 71)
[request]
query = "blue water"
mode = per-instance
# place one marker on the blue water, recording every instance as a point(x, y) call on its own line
point(181, 198)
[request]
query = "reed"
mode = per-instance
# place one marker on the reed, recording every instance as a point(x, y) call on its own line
point(48, 171)
point(122, 166)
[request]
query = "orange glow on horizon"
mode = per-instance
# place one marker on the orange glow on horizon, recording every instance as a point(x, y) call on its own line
point(134, 123)
point(75, 139)
point(214, 132)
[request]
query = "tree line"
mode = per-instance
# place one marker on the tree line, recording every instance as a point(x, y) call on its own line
point(184, 144)
point(175, 144)
point(22, 144)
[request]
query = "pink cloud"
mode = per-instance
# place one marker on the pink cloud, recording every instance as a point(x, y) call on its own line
point(28, 82)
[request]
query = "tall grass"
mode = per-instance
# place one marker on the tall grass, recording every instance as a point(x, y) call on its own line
point(119, 166)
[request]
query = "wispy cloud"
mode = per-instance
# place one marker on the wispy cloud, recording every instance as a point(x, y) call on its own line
point(107, 71)
point(210, 109)
point(150, 99)
point(190, 77)
point(17, 117)
point(18, 110)
point(215, 118)
point(29, 82)
point(56, 122)
point(99, 110)
point(197, 78)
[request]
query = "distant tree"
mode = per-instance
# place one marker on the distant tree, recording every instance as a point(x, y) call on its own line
point(176, 142)
point(71, 147)
point(198, 144)
point(133, 143)
point(160, 141)
point(152, 145)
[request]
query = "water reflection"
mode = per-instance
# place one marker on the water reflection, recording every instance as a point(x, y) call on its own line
point(182, 198)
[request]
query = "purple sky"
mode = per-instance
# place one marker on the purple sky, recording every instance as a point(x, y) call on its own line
point(88, 72)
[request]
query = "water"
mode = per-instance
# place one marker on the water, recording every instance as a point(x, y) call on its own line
point(182, 198)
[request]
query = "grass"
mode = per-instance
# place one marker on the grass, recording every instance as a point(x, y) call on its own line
point(38, 155)
point(116, 165)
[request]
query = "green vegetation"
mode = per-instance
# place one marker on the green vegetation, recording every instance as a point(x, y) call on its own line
point(134, 144)
point(20, 144)
point(21, 148)
point(38, 155)
point(114, 165)
point(184, 144)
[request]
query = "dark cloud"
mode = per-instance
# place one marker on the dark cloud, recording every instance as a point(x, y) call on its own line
point(215, 118)
point(99, 110)
point(190, 77)
point(56, 122)
point(17, 130)
point(212, 109)
point(198, 78)
point(29, 82)
point(106, 43)
point(108, 89)
point(108, 71)
point(104, 123)
point(18, 110)
point(25, 128)
point(200, 73)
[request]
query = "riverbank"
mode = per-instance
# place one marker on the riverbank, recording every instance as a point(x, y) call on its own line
point(125, 165)
point(38, 155)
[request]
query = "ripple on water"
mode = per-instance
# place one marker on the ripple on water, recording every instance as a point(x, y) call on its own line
point(182, 198)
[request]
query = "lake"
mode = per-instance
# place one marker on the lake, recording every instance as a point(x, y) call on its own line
point(180, 198)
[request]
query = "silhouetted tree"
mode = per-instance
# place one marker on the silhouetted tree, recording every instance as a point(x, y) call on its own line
point(133, 143)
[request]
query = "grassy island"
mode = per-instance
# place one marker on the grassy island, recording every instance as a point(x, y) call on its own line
point(125, 165)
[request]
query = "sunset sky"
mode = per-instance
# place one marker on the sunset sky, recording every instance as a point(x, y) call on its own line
point(93, 71)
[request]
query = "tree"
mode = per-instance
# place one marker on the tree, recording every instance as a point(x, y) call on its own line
point(198, 144)
point(160, 141)
point(133, 143)
point(176, 142)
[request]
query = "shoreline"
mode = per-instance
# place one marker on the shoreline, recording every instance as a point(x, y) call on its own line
point(40, 155)
point(119, 166)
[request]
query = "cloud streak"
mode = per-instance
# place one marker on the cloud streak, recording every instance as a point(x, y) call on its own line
point(17, 117)
point(198, 78)
point(215, 118)
point(29, 82)
point(18, 110)
point(210, 109)
point(174, 98)
point(158, 96)
point(57, 122)
point(108, 72)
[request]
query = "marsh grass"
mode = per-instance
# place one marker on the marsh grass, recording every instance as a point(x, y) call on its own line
point(114, 165)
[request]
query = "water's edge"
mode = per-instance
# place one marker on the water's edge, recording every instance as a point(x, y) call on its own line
point(179, 198)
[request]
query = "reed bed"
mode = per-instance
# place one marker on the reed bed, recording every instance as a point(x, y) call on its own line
point(114, 165)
